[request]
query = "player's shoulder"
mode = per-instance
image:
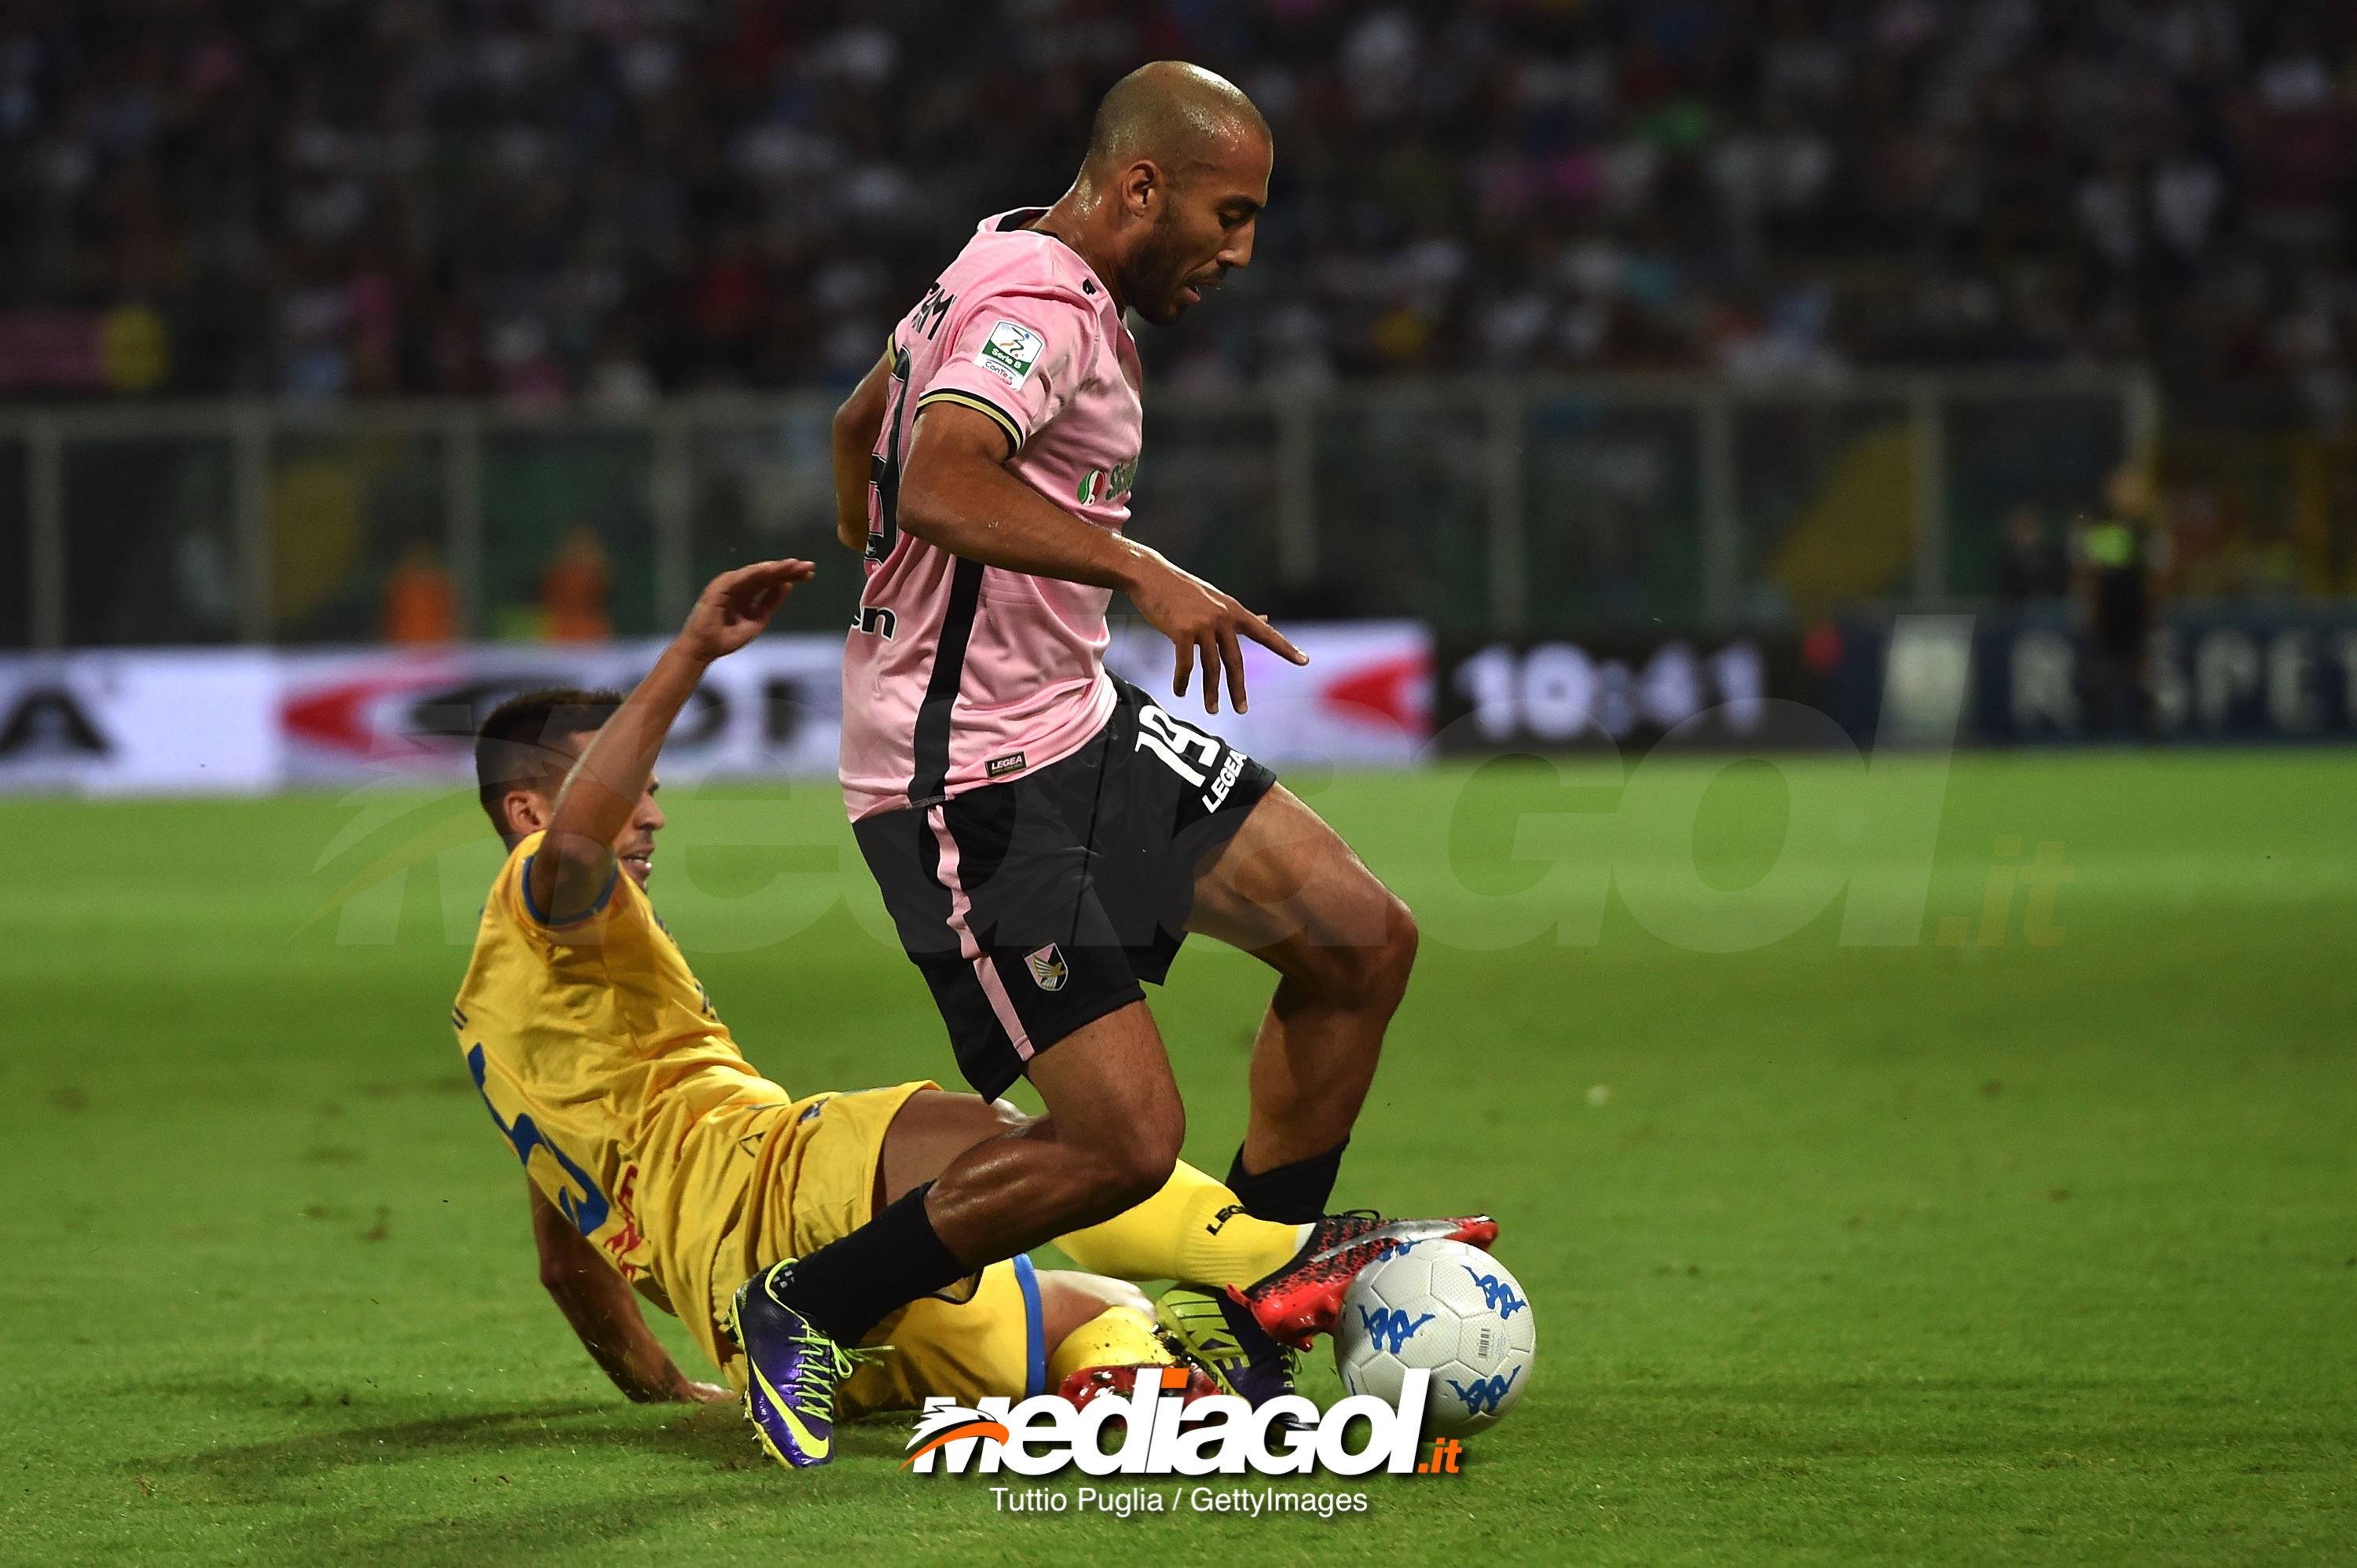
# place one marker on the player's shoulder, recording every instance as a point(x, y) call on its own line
point(1005, 259)
point(503, 904)
point(510, 877)
point(510, 897)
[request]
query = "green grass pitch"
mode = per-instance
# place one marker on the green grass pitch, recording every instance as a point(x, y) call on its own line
point(1990, 1252)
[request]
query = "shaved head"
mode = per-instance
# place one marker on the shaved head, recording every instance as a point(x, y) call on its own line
point(1175, 176)
point(1178, 115)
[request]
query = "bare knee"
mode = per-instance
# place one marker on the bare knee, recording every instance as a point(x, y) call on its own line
point(1127, 1170)
point(1368, 977)
point(1142, 1165)
point(1395, 961)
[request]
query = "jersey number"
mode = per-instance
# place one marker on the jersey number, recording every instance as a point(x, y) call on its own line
point(1174, 742)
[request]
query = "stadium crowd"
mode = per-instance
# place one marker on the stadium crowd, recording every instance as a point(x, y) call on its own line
point(601, 199)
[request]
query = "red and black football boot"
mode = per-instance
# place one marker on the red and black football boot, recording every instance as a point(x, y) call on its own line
point(1303, 1298)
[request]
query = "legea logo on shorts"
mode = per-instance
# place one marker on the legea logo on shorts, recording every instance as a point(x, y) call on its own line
point(1162, 1436)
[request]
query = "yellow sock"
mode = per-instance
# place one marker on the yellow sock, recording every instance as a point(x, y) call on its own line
point(1117, 1336)
point(1193, 1229)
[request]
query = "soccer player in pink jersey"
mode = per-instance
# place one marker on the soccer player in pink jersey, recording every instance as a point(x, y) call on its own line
point(1046, 834)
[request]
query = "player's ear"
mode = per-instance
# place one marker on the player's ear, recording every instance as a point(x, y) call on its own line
point(1145, 190)
point(526, 811)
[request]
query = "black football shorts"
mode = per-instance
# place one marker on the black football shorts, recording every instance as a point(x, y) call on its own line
point(1037, 905)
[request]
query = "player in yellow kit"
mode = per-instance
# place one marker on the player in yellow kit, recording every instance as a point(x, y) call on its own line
point(663, 1166)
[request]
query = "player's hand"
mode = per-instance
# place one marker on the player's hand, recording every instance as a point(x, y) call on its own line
point(692, 1392)
point(1201, 621)
point(735, 605)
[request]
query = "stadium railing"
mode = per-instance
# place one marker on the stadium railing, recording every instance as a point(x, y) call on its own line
point(1476, 505)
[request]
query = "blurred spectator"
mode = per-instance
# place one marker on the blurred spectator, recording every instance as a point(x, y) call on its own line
point(608, 201)
point(572, 590)
point(2115, 558)
point(421, 602)
point(2031, 564)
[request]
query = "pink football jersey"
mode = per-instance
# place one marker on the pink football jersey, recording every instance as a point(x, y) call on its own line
point(959, 675)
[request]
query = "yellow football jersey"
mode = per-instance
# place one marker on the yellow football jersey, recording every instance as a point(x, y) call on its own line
point(618, 1087)
point(604, 1065)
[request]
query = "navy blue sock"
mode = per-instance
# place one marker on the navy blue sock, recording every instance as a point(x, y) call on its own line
point(847, 1288)
point(1290, 1195)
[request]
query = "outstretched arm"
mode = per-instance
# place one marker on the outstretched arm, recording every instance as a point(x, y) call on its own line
point(604, 1311)
point(956, 493)
point(575, 860)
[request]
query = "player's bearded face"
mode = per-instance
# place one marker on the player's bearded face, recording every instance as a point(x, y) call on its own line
point(1169, 265)
point(1203, 231)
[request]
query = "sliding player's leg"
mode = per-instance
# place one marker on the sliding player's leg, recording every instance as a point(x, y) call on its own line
point(1023, 1332)
point(1096, 1321)
point(1286, 889)
point(1194, 1229)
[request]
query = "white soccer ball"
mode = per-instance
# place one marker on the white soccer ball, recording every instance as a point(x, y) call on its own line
point(1449, 1308)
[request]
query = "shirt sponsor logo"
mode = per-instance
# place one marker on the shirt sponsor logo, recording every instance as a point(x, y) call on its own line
point(1010, 351)
point(1000, 767)
point(876, 621)
point(1047, 969)
point(1107, 485)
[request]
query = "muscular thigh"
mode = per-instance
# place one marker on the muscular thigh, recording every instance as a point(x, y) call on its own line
point(1287, 880)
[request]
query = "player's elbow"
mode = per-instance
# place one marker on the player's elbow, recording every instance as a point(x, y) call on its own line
point(927, 510)
point(856, 425)
point(565, 1265)
point(861, 415)
point(947, 484)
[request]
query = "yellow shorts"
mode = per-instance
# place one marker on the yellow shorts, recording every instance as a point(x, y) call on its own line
point(991, 1343)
